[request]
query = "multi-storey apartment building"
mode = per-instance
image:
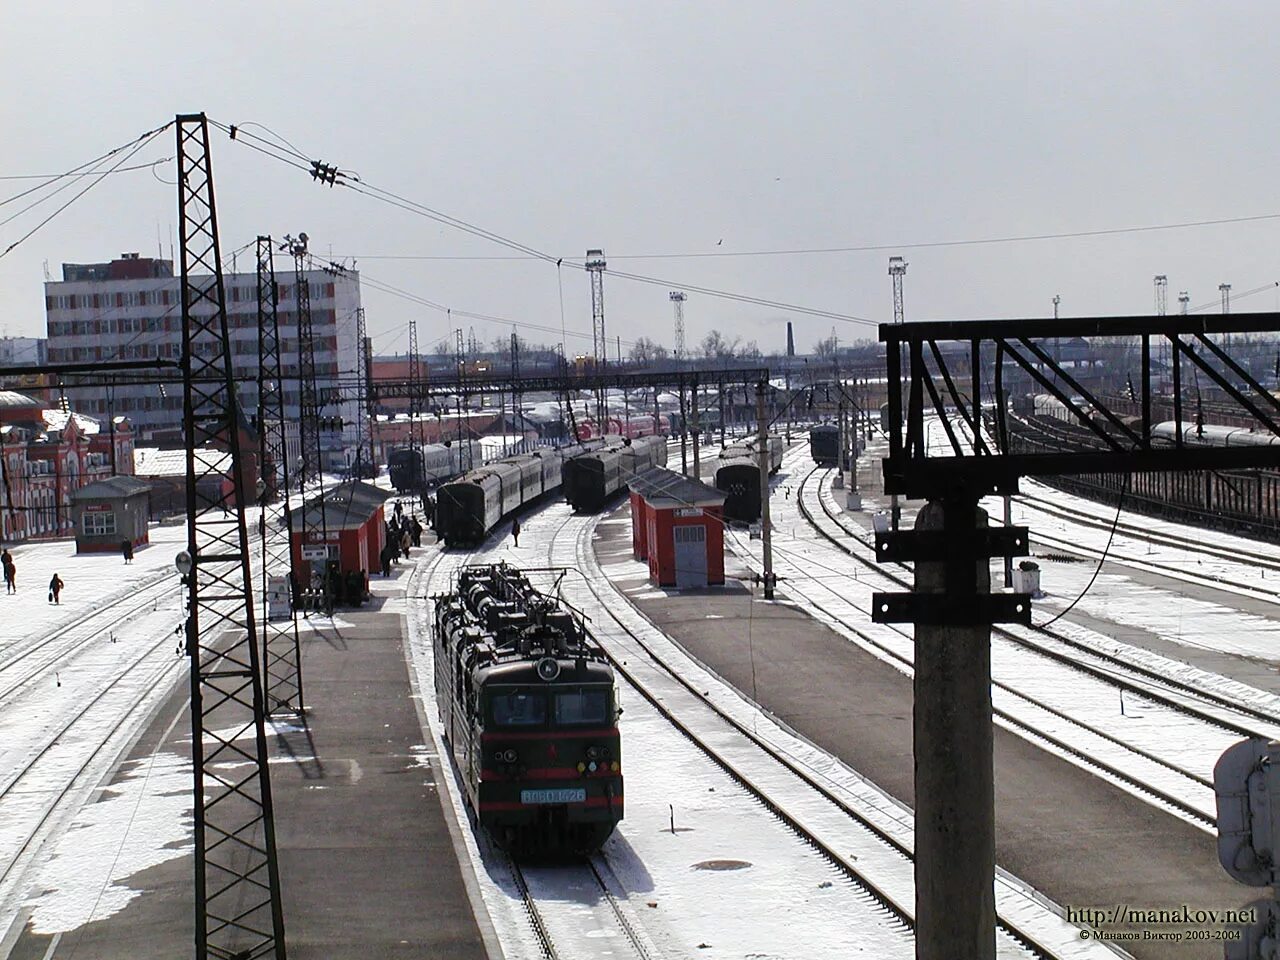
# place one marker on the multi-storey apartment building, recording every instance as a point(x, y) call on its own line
point(130, 309)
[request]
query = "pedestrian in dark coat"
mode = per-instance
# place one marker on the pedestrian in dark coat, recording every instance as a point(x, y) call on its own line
point(126, 551)
point(415, 529)
point(55, 588)
point(515, 532)
point(10, 572)
point(385, 557)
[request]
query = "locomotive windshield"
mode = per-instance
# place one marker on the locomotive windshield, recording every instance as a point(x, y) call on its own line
point(519, 709)
point(580, 707)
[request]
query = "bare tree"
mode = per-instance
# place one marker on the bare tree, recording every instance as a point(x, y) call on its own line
point(715, 347)
point(825, 347)
point(646, 350)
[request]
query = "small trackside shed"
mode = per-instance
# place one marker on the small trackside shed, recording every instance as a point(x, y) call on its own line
point(352, 517)
point(109, 511)
point(677, 524)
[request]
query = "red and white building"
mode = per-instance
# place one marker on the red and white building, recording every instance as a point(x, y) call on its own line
point(45, 456)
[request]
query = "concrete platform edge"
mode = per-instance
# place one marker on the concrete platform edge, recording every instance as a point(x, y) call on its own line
point(446, 798)
point(1031, 891)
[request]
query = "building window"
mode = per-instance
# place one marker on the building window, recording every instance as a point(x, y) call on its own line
point(100, 524)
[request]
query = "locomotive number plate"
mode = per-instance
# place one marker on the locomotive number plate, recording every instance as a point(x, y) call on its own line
point(571, 795)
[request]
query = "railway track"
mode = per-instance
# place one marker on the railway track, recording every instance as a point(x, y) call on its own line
point(864, 835)
point(598, 916)
point(72, 757)
point(29, 660)
point(94, 683)
point(860, 832)
point(1230, 713)
point(1249, 560)
point(1158, 777)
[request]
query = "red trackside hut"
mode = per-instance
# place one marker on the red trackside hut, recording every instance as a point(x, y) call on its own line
point(677, 524)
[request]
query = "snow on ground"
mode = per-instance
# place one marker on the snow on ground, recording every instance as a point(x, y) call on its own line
point(834, 586)
point(1169, 612)
point(92, 580)
point(731, 876)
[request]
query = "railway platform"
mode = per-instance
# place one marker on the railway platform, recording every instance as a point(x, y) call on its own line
point(367, 857)
point(1079, 840)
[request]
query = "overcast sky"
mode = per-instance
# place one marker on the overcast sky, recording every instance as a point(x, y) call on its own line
point(674, 128)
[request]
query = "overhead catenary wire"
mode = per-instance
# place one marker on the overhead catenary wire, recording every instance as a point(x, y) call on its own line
point(139, 144)
point(409, 205)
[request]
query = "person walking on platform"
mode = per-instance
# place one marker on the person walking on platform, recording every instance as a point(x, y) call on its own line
point(55, 589)
point(415, 529)
point(126, 551)
point(515, 532)
point(406, 540)
point(10, 572)
point(385, 559)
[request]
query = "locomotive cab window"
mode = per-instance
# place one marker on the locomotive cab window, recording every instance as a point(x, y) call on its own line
point(581, 707)
point(518, 708)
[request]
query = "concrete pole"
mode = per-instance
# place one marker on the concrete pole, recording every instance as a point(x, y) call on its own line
point(766, 527)
point(684, 432)
point(1008, 521)
point(790, 406)
point(954, 778)
point(853, 496)
point(722, 391)
point(697, 462)
point(838, 482)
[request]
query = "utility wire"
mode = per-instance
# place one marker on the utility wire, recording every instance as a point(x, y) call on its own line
point(54, 177)
point(76, 170)
point(374, 192)
point(873, 247)
point(142, 142)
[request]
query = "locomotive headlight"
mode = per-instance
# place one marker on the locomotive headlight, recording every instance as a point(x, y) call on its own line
point(510, 756)
point(497, 756)
point(593, 753)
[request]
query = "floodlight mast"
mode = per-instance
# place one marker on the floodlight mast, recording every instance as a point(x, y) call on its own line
point(678, 297)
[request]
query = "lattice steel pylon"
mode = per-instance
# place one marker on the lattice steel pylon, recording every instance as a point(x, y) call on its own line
point(897, 270)
point(462, 381)
point(312, 468)
point(1162, 294)
point(308, 401)
point(364, 411)
point(281, 647)
point(516, 396)
point(413, 378)
point(237, 878)
point(678, 297)
point(595, 268)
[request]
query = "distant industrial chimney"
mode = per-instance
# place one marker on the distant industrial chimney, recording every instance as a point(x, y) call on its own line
point(791, 341)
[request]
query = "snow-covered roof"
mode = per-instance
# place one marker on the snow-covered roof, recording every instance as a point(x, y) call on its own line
point(57, 420)
point(11, 398)
point(119, 486)
point(152, 462)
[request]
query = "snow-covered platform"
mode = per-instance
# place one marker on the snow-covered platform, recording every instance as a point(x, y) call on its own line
point(367, 858)
point(1078, 839)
